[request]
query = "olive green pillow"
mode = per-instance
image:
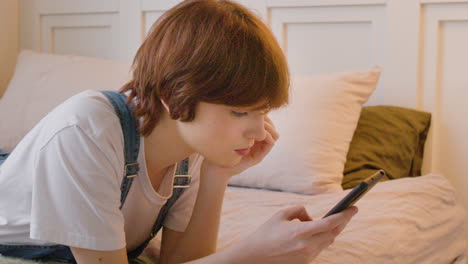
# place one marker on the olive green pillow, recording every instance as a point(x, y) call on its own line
point(389, 138)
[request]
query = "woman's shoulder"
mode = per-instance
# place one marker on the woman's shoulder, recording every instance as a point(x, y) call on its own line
point(88, 111)
point(87, 104)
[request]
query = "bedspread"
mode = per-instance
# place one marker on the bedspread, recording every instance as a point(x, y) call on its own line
point(411, 220)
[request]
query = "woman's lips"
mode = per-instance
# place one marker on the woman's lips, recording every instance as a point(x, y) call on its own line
point(243, 152)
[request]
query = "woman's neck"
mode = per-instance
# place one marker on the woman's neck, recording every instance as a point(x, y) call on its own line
point(164, 146)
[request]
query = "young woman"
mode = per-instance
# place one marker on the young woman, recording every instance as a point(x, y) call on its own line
point(203, 82)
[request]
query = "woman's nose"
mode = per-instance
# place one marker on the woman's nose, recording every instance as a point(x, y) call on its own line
point(257, 130)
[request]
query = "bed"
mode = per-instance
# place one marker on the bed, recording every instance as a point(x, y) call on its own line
point(416, 215)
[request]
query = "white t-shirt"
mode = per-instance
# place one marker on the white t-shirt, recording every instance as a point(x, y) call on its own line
point(61, 184)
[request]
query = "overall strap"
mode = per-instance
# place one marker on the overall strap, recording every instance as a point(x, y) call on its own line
point(3, 156)
point(182, 181)
point(131, 140)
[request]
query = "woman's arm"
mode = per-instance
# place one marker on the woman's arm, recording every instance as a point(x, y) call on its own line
point(199, 239)
point(89, 256)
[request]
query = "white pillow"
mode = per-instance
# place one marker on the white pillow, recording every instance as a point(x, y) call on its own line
point(43, 81)
point(315, 129)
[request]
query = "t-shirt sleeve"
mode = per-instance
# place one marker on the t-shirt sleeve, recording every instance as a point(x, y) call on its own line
point(180, 213)
point(76, 193)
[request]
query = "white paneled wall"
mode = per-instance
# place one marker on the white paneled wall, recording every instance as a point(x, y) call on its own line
point(326, 38)
point(420, 44)
point(63, 34)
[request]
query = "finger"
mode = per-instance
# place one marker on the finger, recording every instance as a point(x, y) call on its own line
point(261, 148)
point(265, 145)
point(320, 241)
point(268, 139)
point(269, 121)
point(272, 131)
point(305, 217)
point(294, 212)
point(328, 237)
point(301, 215)
point(269, 128)
point(333, 233)
point(259, 154)
point(329, 223)
point(337, 230)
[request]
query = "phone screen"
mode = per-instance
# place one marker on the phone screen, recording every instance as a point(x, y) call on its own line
point(352, 197)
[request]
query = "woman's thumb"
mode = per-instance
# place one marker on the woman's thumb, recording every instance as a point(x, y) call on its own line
point(294, 212)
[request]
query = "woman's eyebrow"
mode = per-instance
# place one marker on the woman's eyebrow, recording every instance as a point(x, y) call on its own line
point(252, 109)
point(259, 107)
point(264, 107)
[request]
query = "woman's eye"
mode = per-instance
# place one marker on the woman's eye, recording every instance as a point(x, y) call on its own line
point(238, 114)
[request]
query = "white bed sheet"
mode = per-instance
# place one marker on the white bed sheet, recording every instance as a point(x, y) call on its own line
point(410, 220)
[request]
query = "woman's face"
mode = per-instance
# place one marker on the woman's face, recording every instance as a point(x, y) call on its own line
point(219, 130)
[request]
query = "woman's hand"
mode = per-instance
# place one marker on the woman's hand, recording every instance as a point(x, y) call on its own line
point(282, 240)
point(258, 151)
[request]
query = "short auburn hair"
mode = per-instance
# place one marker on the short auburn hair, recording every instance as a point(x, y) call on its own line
point(213, 51)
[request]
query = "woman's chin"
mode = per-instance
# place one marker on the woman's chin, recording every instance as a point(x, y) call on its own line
point(225, 163)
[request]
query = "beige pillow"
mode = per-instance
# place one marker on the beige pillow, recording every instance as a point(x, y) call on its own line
point(42, 81)
point(315, 132)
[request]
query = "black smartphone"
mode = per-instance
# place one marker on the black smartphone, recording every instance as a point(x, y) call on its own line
point(357, 192)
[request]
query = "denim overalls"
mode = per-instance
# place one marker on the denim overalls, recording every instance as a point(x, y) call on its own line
point(182, 180)
point(3, 156)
